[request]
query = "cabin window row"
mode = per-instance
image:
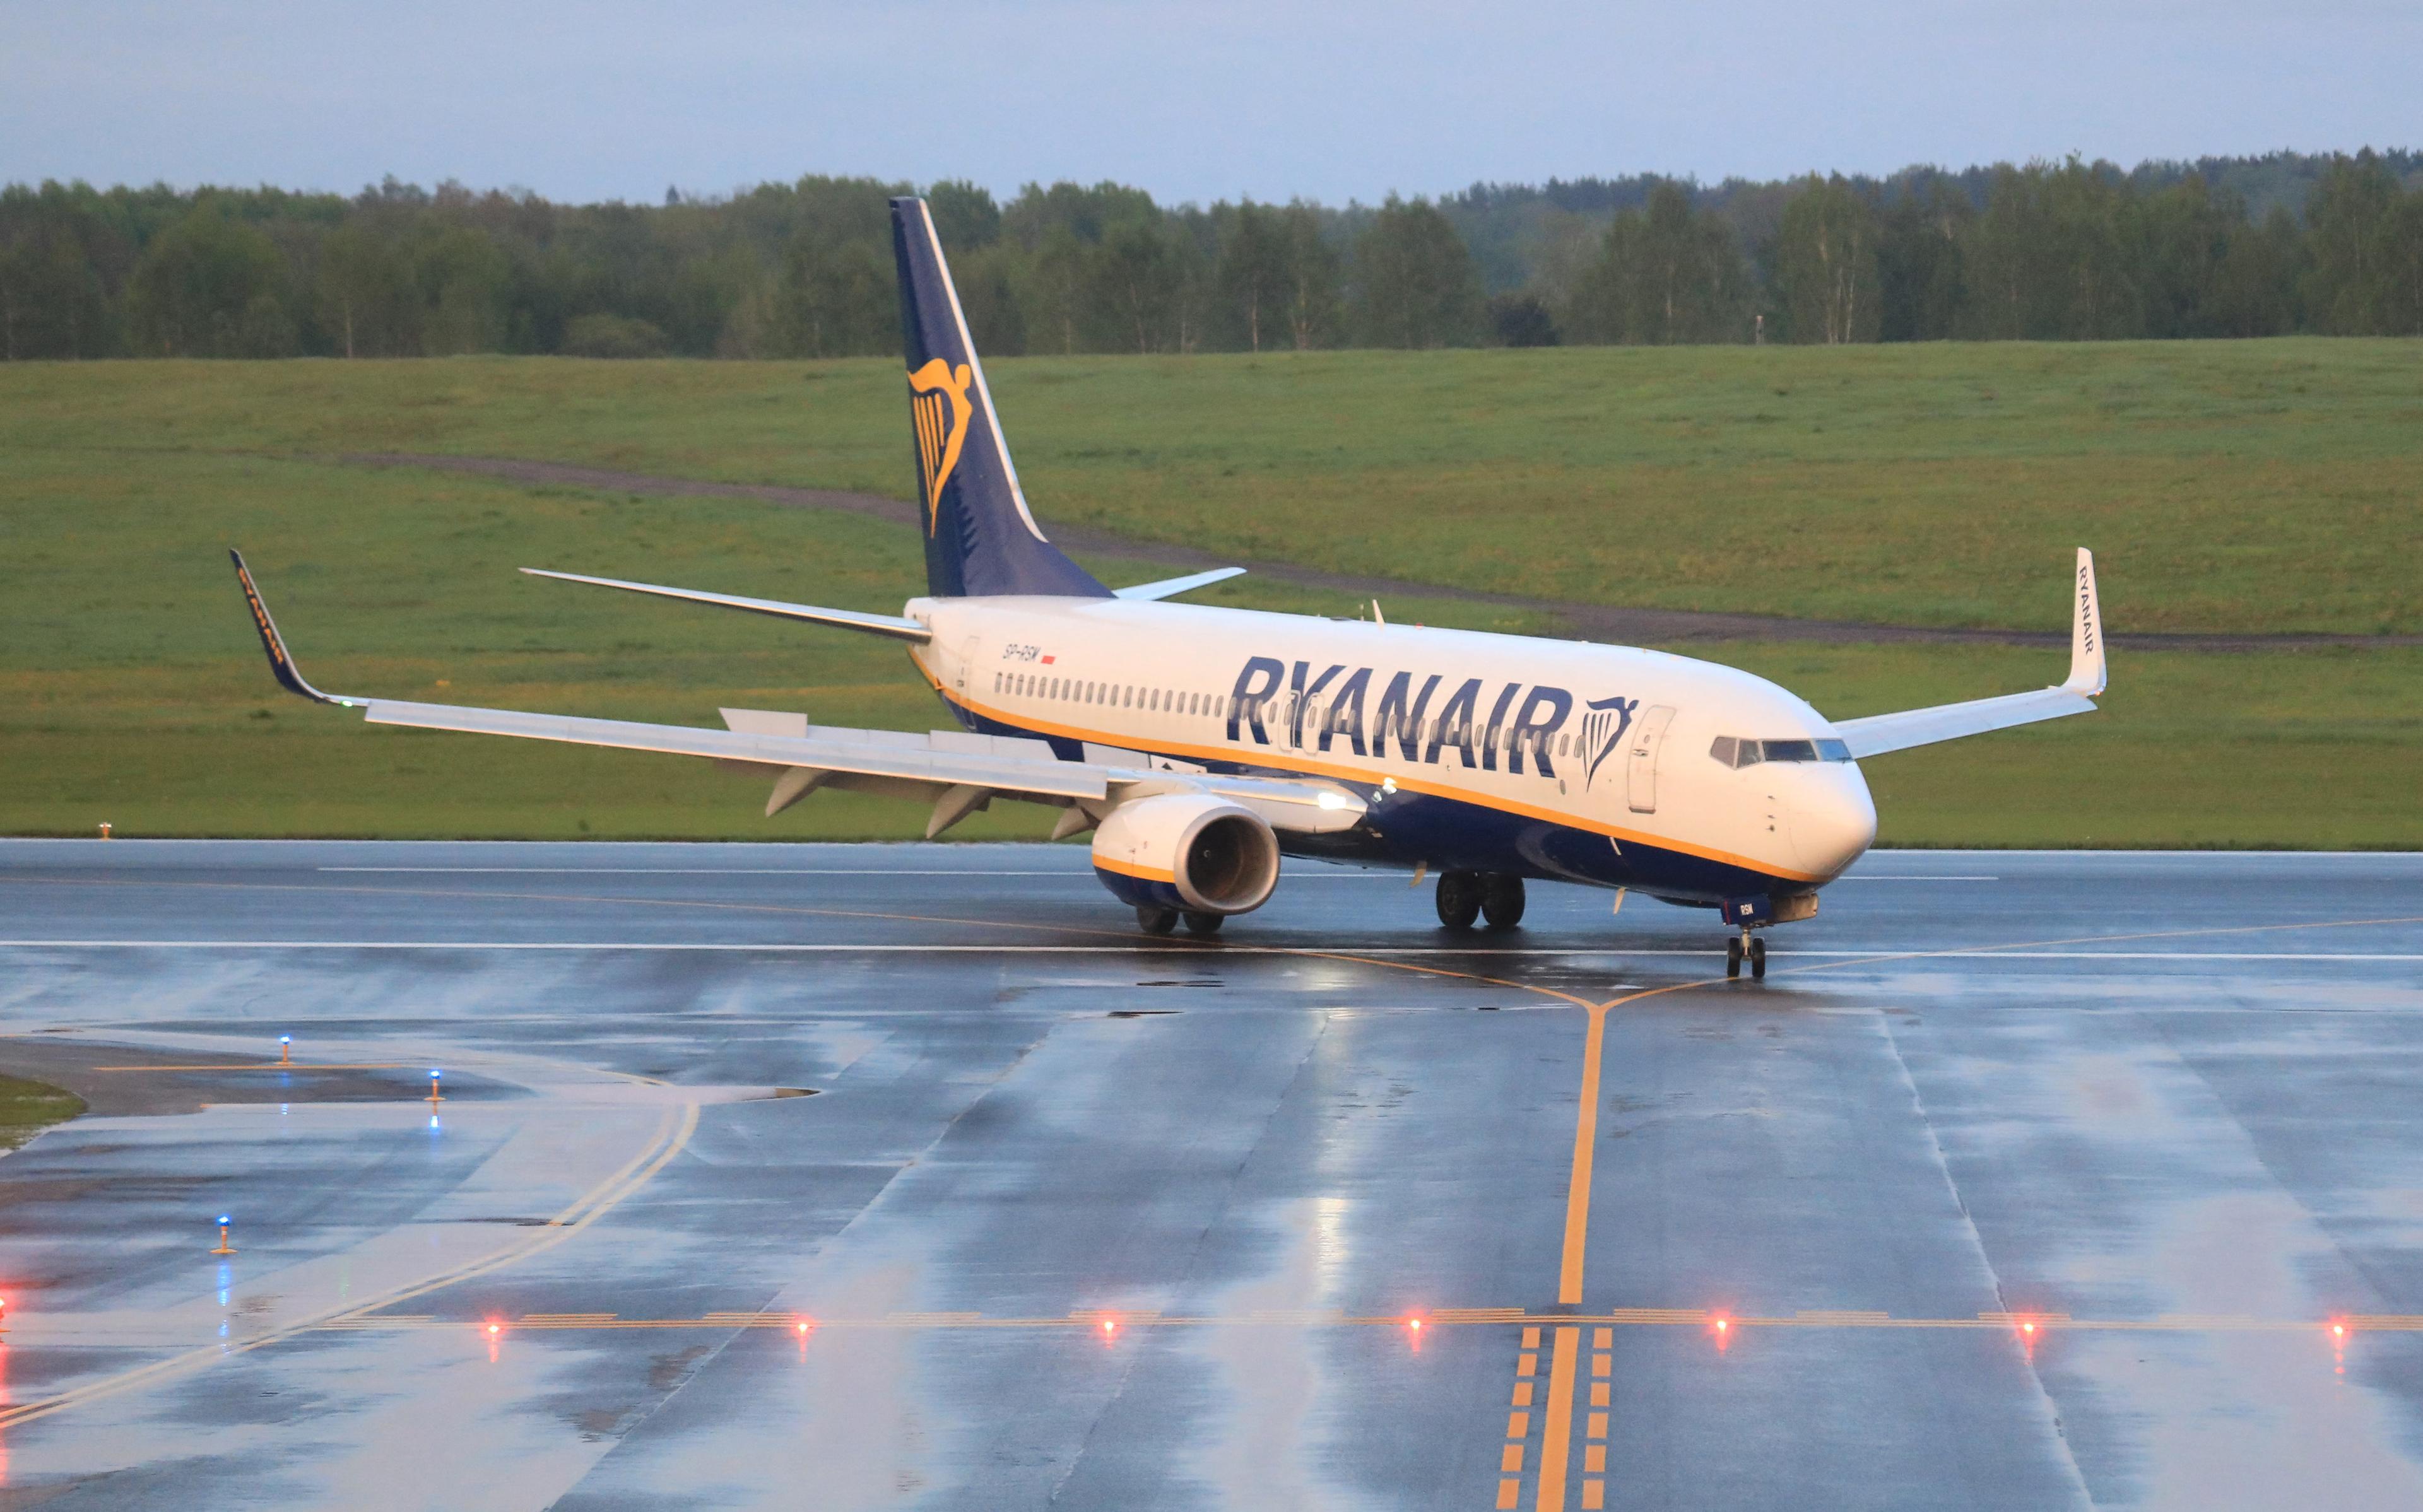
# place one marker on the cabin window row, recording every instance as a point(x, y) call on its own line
point(1170, 700)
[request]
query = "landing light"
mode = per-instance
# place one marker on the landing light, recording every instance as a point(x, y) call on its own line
point(1330, 801)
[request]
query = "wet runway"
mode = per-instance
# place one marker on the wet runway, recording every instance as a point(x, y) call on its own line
point(847, 1176)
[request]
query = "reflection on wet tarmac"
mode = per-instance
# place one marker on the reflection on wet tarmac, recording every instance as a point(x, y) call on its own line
point(2119, 1203)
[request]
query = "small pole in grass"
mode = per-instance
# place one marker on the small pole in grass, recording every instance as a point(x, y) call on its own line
point(285, 1049)
point(225, 1247)
point(104, 830)
point(433, 1098)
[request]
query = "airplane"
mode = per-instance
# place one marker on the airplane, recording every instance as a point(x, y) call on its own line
point(1199, 745)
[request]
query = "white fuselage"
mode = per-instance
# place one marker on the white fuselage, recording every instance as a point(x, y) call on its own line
point(1547, 757)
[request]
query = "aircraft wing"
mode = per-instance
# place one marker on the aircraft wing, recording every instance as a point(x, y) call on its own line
point(1883, 732)
point(877, 624)
point(962, 773)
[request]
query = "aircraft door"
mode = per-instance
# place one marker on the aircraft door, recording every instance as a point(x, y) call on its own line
point(967, 663)
point(1641, 758)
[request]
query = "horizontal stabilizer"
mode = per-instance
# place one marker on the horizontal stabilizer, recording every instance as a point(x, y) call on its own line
point(874, 624)
point(1172, 586)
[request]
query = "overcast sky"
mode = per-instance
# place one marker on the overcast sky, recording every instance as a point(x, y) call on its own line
point(1328, 99)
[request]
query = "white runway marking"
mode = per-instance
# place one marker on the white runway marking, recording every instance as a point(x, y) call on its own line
point(890, 870)
point(1884, 955)
point(768, 870)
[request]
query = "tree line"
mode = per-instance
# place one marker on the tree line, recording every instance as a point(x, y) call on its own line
point(2044, 251)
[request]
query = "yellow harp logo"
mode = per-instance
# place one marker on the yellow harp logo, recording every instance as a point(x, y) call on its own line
point(938, 401)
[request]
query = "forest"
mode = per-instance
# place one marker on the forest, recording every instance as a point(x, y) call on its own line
point(2070, 250)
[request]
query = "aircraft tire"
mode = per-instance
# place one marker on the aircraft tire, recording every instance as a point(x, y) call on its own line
point(1501, 900)
point(1733, 957)
point(1459, 899)
point(1156, 920)
point(1757, 959)
point(1203, 923)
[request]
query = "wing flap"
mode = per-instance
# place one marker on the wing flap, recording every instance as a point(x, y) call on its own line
point(917, 762)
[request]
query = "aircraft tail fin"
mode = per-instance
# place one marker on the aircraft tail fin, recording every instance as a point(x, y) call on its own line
point(979, 537)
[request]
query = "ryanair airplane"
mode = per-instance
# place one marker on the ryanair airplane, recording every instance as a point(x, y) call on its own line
point(1199, 745)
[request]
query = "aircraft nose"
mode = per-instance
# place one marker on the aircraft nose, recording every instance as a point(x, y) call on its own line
point(1833, 820)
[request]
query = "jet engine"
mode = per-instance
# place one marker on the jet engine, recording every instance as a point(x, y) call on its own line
point(1189, 853)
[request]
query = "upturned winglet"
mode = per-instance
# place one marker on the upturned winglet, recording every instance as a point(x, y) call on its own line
point(282, 665)
point(2087, 673)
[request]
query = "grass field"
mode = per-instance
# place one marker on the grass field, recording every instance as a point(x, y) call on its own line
point(28, 1107)
point(2248, 486)
point(133, 692)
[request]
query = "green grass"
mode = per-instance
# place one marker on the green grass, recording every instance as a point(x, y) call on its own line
point(2242, 486)
point(131, 691)
point(28, 1107)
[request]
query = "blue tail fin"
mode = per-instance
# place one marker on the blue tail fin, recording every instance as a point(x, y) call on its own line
point(979, 537)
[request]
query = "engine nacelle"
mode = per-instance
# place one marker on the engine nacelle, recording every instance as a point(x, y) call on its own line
point(1187, 851)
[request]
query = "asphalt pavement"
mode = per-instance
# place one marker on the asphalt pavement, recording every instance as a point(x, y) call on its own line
point(871, 1177)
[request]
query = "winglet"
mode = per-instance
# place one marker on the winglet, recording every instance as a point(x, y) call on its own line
point(281, 665)
point(2086, 669)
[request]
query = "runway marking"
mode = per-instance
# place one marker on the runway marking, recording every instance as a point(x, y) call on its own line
point(1354, 874)
point(1556, 1433)
point(268, 1065)
point(1143, 947)
point(1594, 1453)
point(1087, 1320)
point(815, 871)
point(672, 1133)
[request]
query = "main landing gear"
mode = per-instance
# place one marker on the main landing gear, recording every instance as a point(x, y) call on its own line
point(1745, 946)
point(1163, 920)
point(1466, 897)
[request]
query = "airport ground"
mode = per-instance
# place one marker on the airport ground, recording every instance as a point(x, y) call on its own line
point(2255, 505)
point(858, 1176)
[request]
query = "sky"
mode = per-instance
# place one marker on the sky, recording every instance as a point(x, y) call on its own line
point(1338, 100)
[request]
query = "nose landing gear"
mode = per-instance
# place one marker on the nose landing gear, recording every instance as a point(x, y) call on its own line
point(1745, 946)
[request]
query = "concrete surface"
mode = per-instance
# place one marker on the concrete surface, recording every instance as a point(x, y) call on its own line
point(2024, 1181)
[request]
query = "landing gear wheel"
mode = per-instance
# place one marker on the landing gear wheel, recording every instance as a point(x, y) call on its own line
point(1203, 923)
point(1757, 959)
point(1501, 900)
point(1459, 899)
point(1733, 958)
point(1156, 920)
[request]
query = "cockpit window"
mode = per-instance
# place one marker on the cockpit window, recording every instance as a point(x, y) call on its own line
point(1733, 752)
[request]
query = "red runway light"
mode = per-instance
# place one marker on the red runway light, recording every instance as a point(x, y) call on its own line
point(495, 1328)
point(2337, 1329)
point(1110, 1325)
point(1414, 1324)
point(2027, 1327)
